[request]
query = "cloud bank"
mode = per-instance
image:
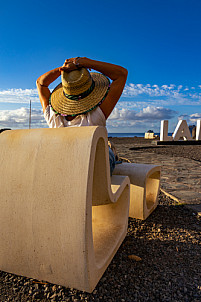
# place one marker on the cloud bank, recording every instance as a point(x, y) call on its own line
point(164, 90)
point(191, 119)
point(146, 114)
point(150, 93)
point(19, 96)
point(19, 118)
point(164, 95)
point(140, 107)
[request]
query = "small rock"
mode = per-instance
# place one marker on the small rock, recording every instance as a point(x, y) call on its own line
point(53, 296)
point(54, 288)
point(48, 295)
point(134, 257)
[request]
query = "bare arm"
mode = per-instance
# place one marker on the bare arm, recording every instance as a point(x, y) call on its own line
point(42, 84)
point(116, 73)
point(47, 78)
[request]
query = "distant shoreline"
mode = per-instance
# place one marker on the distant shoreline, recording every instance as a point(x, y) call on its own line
point(135, 134)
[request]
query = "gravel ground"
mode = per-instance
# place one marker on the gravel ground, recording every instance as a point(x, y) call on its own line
point(139, 143)
point(190, 152)
point(168, 246)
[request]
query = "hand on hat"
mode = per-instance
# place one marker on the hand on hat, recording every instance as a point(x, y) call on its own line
point(68, 66)
point(75, 61)
point(73, 64)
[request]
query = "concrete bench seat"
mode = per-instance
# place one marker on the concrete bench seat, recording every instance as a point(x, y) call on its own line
point(61, 218)
point(144, 187)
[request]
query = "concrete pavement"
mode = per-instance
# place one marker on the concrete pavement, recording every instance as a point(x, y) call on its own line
point(181, 177)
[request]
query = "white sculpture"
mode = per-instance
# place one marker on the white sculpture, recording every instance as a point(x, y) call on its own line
point(181, 130)
point(198, 130)
point(164, 132)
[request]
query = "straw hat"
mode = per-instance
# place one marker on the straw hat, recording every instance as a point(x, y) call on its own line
point(79, 92)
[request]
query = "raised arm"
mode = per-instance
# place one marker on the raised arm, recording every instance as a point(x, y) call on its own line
point(47, 78)
point(116, 73)
point(42, 84)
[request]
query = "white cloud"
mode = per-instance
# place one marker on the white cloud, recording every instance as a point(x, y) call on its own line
point(183, 117)
point(21, 96)
point(192, 118)
point(156, 113)
point(149, 117)
point(141, 106)
point(146, 114)
point(196, 115)
point(19, 118)
point(153, 95)
point(168, 93)
point(154, 90)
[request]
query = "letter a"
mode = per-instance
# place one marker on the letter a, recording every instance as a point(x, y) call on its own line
point(182, 130)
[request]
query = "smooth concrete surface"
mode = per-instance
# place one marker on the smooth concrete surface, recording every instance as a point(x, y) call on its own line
point(144, 184)
point(61, 218)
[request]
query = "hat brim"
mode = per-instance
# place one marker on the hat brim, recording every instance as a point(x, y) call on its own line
point(64, 106)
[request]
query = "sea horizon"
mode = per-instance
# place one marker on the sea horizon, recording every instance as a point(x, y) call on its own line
point(137, 134)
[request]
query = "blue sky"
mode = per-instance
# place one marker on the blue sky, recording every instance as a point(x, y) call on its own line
point(159, 42)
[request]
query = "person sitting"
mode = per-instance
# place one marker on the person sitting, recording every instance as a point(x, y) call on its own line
point(83, 98)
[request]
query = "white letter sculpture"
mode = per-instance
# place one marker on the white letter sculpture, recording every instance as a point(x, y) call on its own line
point(198, 130)
point(182, 130)
point(164, 132)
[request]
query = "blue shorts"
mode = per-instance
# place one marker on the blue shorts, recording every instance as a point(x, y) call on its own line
point(112, 161)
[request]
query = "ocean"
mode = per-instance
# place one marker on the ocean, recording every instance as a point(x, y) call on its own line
point(127, 134)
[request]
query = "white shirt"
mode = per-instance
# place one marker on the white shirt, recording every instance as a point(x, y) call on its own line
point(92, 118)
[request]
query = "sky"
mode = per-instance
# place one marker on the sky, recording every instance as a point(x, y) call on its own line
point(159, 42)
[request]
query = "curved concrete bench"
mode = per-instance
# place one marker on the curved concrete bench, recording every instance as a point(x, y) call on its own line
point(61, 219)
point(144, 187)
